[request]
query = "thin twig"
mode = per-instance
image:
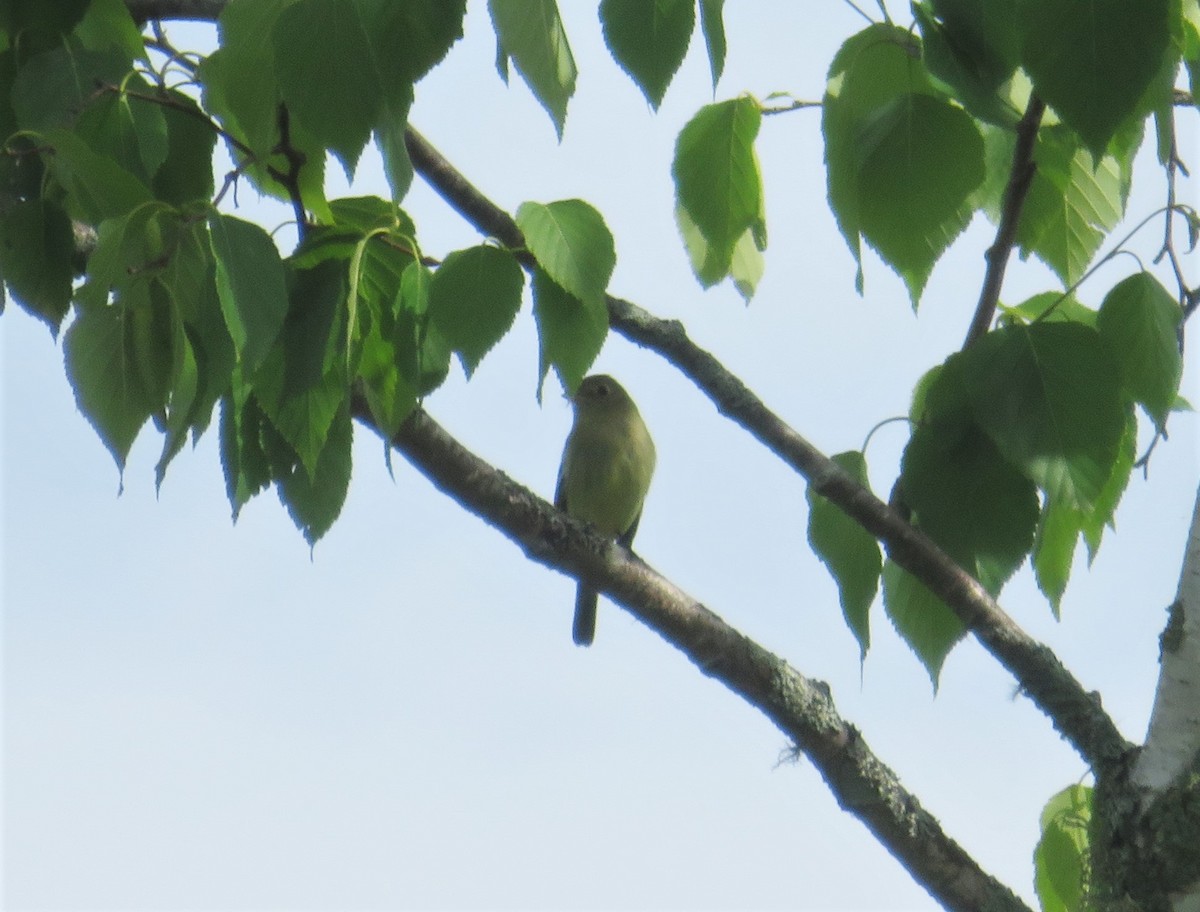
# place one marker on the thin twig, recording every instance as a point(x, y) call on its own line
point(1020, 178)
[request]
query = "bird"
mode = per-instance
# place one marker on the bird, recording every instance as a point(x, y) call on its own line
point(607, 463)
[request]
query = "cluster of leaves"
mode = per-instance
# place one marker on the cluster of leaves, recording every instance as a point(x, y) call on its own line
point(182, 307)
point(1024, 442)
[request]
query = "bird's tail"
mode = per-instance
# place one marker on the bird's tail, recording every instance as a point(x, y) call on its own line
point(584, 630)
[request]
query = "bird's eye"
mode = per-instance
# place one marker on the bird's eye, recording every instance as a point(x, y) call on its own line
point(601, 389)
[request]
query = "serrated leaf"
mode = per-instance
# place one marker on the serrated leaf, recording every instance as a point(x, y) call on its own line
point(315, 499)
point(1071, 205)
point(390, 396)
point(570, 331)
point(1062, 856)
point(474, 297)
point(300, 386)
point(97, 187)
point(973, 46)
point(36, 247)
point(717, 179)
point(850, 553)
point(53, 87)
point(922, 619)
point(977, 506)
point(1139, 324)
point(1096, 79)
point(408, 39)
point(869, 71)
point(186, 174)
point(423, 355)
point(649, 40)
point(920, 159)
point(1104, 512)
point(1054, 550)
point(42, 19)
point(326, 74)
point(108, 25)
point(243, 459)
point(531, 32)
point(1051, 307)
point(1048, 397)
point(128, 129)
point(572, 244)
point(102, 368)
point(712, 23)
point(250, 282)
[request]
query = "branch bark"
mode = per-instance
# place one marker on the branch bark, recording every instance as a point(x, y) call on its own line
point(800, 707)
point(1076, 713)
point(1020, 178)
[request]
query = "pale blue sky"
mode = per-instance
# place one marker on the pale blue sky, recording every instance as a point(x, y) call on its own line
point(201, 716)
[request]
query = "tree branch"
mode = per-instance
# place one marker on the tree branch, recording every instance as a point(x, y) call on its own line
point(1076, 713)
point(196, 10)
point(799, 706)
point(1020, 178)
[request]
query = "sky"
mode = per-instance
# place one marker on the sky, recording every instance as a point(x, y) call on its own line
point(202, 715)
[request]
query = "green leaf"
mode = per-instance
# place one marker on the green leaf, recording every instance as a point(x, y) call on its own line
point(570, 331)
point(922, 619)
point(102, 366)
point(746, 267)
point(422, 354)
point(976, 505)
point(474, 297)
point(1105, 509)
point(1051, 307)
point(870, 70)
point(108, 25)
point(300, 385)
point(531, 33)
point(240, 89)
point(973, 46)
point(572, 244)
point(390, 396)
point(1054, 550)
point(51, 88)
point(649, 40)
point(920, 159)
point(1092, 60)
point(712, 23)
point(250, 281)
point(36, 247)
point(326, 74)
point(850, 552)
point(1063, 855)
point(124, 248)
point(1048, 397)
point(1139, 324)
point(314, 500)
point(389, 136)
point(129, 130)
point(41, 18)
point(243, 459)
point(186, 175)
point(97, 187)
point(408, 39)
point(1072, 204)
point(717, 180)
point(239, 77)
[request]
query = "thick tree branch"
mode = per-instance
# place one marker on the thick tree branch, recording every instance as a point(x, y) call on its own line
point(196, 10)
point(1020, 178)
point(800, 707)
point(1074, 712)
